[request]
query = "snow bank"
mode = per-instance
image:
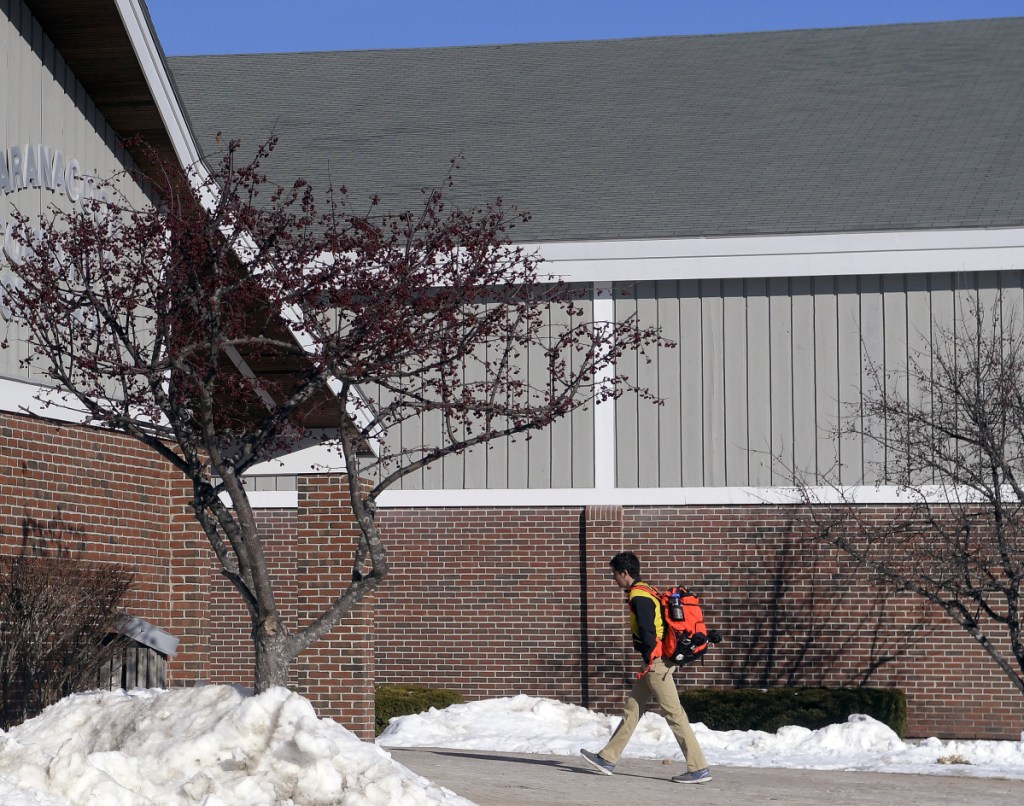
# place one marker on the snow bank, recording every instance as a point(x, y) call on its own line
point(211, 745)
point(534, 725)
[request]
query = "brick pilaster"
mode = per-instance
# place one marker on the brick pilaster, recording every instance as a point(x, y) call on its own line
point(337, 672)
point(190, 572)
point(606, 626)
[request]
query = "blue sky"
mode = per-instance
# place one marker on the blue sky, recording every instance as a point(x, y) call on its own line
point(263, 26)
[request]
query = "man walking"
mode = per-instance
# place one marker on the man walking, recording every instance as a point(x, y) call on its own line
point(655, 682)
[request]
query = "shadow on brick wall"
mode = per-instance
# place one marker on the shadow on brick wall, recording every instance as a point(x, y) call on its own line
point(53, 538)
point(812, 618)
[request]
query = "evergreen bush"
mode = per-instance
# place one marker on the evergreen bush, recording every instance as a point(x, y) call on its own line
point(809, 707)
point(391, 701)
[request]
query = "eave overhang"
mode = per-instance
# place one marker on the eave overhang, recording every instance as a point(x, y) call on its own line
point(93, 37)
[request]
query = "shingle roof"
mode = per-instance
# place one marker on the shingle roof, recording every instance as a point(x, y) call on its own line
point(875, 128)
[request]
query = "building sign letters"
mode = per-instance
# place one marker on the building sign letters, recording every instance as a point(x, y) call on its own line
point(40, 166)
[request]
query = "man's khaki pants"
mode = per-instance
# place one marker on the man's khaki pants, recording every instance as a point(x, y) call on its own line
point(658, 685)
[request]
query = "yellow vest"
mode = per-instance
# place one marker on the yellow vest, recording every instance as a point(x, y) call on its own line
point(644, 590)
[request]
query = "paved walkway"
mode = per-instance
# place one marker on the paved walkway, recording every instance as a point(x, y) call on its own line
point(505, 779)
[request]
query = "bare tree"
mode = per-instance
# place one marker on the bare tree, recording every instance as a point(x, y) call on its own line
point(951, 428)
point(224, 334)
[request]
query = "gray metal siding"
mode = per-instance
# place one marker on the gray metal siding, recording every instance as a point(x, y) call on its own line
point(766, 371)
point(41, 102)
point(561, 456)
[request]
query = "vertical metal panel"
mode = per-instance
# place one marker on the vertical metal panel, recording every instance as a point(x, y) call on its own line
point(758, 400)
point(691, 379)
point(849, 378)
point(496, 456)
point(474, 463)
point(627, 422)
point(872, 333)
point(713, 382)
point(942, 293)
point(581, 426)
point(804, 389)
point(894, 347)
point(826, 374)
point(989, 286)
point(410, 432)
point(780, 398)
point(919, 342)
point(453, 468)
point(671, 415)
point(559, 435)
point(1011, 300)
point(432, 428)
point(734, 357)
point(538, 453)
point(648, 439)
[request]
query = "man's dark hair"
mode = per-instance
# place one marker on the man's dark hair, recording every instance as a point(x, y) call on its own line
point(626, 561)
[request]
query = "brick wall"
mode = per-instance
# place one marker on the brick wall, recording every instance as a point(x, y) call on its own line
point(90, 494)
point(102, 497)
point(793, 613)
point(523, 634)
point(549, 621)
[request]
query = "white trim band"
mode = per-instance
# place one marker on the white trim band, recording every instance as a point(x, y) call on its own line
point(818, 255)
point(667, 496)
point(22, 397)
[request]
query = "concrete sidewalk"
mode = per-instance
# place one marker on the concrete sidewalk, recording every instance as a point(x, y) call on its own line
point(505, 779)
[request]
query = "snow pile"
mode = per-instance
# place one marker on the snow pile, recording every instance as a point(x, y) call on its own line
point(211, 745)
point(533, 725)
point(216, 746)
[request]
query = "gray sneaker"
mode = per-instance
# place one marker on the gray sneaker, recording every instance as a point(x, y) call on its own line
point(695, 777)
point(602, 766)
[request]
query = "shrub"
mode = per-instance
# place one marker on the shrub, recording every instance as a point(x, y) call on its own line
point(56, 618)
point(771, 709)
point(391, 701)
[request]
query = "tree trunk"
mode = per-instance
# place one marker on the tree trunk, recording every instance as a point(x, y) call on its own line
point(274, 654)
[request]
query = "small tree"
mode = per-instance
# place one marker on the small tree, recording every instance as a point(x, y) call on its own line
point(951, 428)
point(153, 320)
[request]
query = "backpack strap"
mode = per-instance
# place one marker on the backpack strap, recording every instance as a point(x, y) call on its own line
point(646, 586)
